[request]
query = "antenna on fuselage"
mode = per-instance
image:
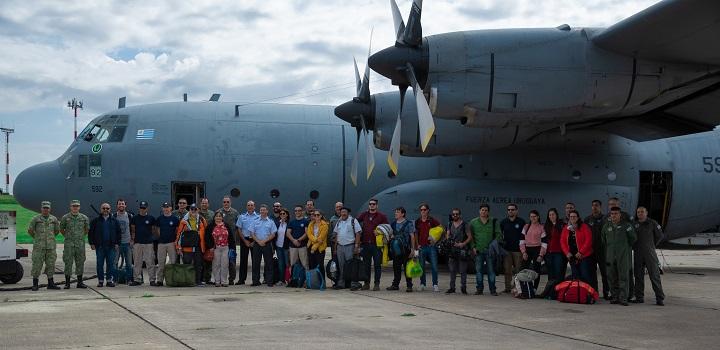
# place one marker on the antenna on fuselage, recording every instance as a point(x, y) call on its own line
point(184, 97)
point(215, 98)
point(121, 102)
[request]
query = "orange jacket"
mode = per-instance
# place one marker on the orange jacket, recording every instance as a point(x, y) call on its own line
point(184, 225)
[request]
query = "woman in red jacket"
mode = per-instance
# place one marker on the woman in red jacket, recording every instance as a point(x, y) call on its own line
point(576, 241)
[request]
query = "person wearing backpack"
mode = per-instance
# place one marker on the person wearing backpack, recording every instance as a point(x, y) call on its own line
point(459, 236)
point(347, 244)
point(402, 248)
point(484, 230)
point(190, 241)
point(533, 245)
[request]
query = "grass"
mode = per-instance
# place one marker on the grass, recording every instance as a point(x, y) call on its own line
point(23, 217)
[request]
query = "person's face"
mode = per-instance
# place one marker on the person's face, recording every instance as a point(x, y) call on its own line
point(263, 211)
point(568, 208)
point(143, 211)
point(204, 204)
point(596, 208)
point(573, 217)
point(182, 204)
point(194, 210)
point(398, 215)
point(338, 206)
point(424, 211)
point(121, 206)
point(75, 208)
point(512, 211)
point(167, 211)
point(534, 218)
point(615, 216)
point(316, 216)
point(455, 215)
point(250, 207)
point(276, 207)
point(642, 214)
point(45, 211)
point(283, 215)
point(344, 214)
point(372, 206)
point(553, 216)
point(105, 209)
point(218, 219)
point(309, 206)
point(226, 203)
point(298, 212)
point(484, 212)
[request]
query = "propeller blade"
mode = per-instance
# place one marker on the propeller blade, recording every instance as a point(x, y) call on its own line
point(354, 164)
point(358, 84)
point(369, 152)
point(412, 35)
point(425, 118)
point(398, 22)
point(364, 92)
point(394, 153)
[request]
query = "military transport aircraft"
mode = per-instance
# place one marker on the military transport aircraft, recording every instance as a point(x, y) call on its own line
point(537, 117)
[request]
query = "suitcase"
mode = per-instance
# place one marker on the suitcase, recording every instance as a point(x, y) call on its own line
point(179, 275)
point(354, 271)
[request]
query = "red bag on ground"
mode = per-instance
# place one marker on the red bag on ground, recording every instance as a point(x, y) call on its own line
point(287, 274)
point(577, 292)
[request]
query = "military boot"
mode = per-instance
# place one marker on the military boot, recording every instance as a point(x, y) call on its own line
point(80, 283)
point(67, 282)
point(36, 282)
point(51, 284)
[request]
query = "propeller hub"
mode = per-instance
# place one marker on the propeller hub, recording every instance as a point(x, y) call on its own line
point(392, 62)
point(352, 110)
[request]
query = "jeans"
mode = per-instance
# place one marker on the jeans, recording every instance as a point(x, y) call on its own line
point(480, 259)
point(399, 262)
point(429, 253)
point(283, 256)
point(582, 270)
point(458, 265)
point(124, 252)
point(371, 253)
point(556, 266)
point(105, 256)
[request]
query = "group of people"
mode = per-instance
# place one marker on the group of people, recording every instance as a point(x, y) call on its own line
point(208, 240)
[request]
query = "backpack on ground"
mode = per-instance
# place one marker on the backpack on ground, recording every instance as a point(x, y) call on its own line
point(180, 275)
point(525, 284)
point(576, 292)
point(121, 276)
point(354, 271)
point(297, 276)
point(314, 279)
point(190, 239)
point(332, 270)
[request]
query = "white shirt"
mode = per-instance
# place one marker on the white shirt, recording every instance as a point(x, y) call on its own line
point(281, 234)
point(346, 229)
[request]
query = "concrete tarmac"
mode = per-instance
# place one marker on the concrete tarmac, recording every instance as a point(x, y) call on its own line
point(277, 317)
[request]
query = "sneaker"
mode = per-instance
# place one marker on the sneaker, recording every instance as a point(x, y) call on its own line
point(158, 284)
point(366, 286)
point(450, 291)
point(111, 284)
point(494, 294)
point(200, 285)
point(133, 283)
point(422, 287)
point(463, 290)
point(659, 302)
point(436, 288)
point(376, 287)
point(392, 288)
point(637, 301)
point(354, 288)
point(478, 292)
point(409, 289)
point(100, 284)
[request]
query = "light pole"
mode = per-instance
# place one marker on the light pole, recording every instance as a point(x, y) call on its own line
point(75, 105)
point(7, 133)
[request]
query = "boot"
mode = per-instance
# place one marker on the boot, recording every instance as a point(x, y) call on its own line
point(67, 282)
point(51, 284)
point(80, 283)
point(35, 284)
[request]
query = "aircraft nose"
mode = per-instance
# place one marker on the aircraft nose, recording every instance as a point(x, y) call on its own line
point(42, 182)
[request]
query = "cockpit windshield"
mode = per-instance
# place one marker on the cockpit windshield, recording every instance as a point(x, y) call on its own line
point(110, 128)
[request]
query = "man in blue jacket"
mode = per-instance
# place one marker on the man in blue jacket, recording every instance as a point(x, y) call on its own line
point(104, 239)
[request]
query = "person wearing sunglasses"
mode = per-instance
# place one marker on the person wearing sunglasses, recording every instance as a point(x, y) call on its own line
point(317, 232)
point(370, 252)
point(104, 239)
point(426, 245)
point(230, 217)
point(511, 228)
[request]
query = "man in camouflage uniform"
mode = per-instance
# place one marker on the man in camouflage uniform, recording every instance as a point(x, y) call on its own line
point(74, 226)
point(618, 236)
point(43, 228)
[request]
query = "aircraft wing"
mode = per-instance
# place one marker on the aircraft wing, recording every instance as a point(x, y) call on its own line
point(682, 31)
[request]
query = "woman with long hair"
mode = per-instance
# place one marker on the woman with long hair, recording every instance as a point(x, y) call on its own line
point(554, 258)
point(533, 245)
point(576, 241)
point(317, 231)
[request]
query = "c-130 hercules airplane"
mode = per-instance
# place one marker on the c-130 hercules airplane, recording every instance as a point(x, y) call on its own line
point(537, 117)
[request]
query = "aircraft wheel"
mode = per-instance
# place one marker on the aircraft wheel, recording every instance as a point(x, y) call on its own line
point(13, 277)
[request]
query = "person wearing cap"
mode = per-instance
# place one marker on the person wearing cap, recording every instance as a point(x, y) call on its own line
point(208, 214)
point(263, 232)
point(74, 226)
point(104, 239)
point(141, 227)
point(43, 228)
point(192, 221)
point(347, 245)
point(165, 230)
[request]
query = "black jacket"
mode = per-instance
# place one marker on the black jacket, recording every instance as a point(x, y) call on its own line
point(95, 235)
point(210, 241)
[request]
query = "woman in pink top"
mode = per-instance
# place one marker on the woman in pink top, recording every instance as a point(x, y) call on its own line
point(219, 239)
point(533, 245)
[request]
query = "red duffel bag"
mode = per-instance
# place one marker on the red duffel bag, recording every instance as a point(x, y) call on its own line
point(576, 292)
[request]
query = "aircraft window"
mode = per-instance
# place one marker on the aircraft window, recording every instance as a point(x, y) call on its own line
point(89, 165)
point(82, 165)
point(314, 194)
point(235, 192)
point(274, 193)
point(108, 129)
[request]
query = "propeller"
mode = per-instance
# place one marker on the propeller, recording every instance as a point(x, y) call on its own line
point(360, 113)
point(406, 64)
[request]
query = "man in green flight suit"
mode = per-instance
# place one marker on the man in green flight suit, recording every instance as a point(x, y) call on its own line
point(618, 236)
point(74, 226)
point(43, 228)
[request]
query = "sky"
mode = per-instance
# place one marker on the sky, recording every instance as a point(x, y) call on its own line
point(283, 51)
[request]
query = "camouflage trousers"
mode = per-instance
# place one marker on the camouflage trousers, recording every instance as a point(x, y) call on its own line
point(74, 254)
point(40, 257)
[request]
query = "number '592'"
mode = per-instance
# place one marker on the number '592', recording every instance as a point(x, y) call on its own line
point(710, 164)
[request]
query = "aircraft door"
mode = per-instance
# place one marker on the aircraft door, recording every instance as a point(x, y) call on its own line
point(655, 194)
point(191, 191)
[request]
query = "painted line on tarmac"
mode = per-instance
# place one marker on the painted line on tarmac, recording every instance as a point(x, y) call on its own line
point(142, 318)
point(492, 321)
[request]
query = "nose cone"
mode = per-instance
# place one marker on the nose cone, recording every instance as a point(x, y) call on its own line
point(352, 110)
point(391, 63)
point(42, 182)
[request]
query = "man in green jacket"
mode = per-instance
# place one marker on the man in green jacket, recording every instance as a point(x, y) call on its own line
point(618, 236)
point(649, 234)
point(484, 230)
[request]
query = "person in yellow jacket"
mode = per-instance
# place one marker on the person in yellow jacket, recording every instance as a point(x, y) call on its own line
point(317, 232)
point(190, 241)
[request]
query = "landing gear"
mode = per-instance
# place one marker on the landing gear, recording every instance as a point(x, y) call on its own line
point(12, 277)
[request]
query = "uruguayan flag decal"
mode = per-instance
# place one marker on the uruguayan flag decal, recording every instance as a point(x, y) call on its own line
point(145, 134)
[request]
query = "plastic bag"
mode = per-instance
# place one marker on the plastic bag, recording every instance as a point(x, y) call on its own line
point(413, 269)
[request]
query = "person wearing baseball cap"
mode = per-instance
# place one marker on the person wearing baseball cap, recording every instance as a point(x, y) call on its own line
point(43, 228)
point(165, 229)
point(141, 227)
point(74, 226)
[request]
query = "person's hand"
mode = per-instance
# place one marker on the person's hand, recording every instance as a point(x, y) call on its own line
point(540, 259)
point(261, 243)
point(524, 256)
point(92, 247)
point(569, 256)
point(475, 251)
point(356, 250)
point(578, 256)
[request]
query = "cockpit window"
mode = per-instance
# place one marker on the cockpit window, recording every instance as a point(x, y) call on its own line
point(109, 128)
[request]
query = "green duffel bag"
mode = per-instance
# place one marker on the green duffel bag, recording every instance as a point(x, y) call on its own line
point(179, 275)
